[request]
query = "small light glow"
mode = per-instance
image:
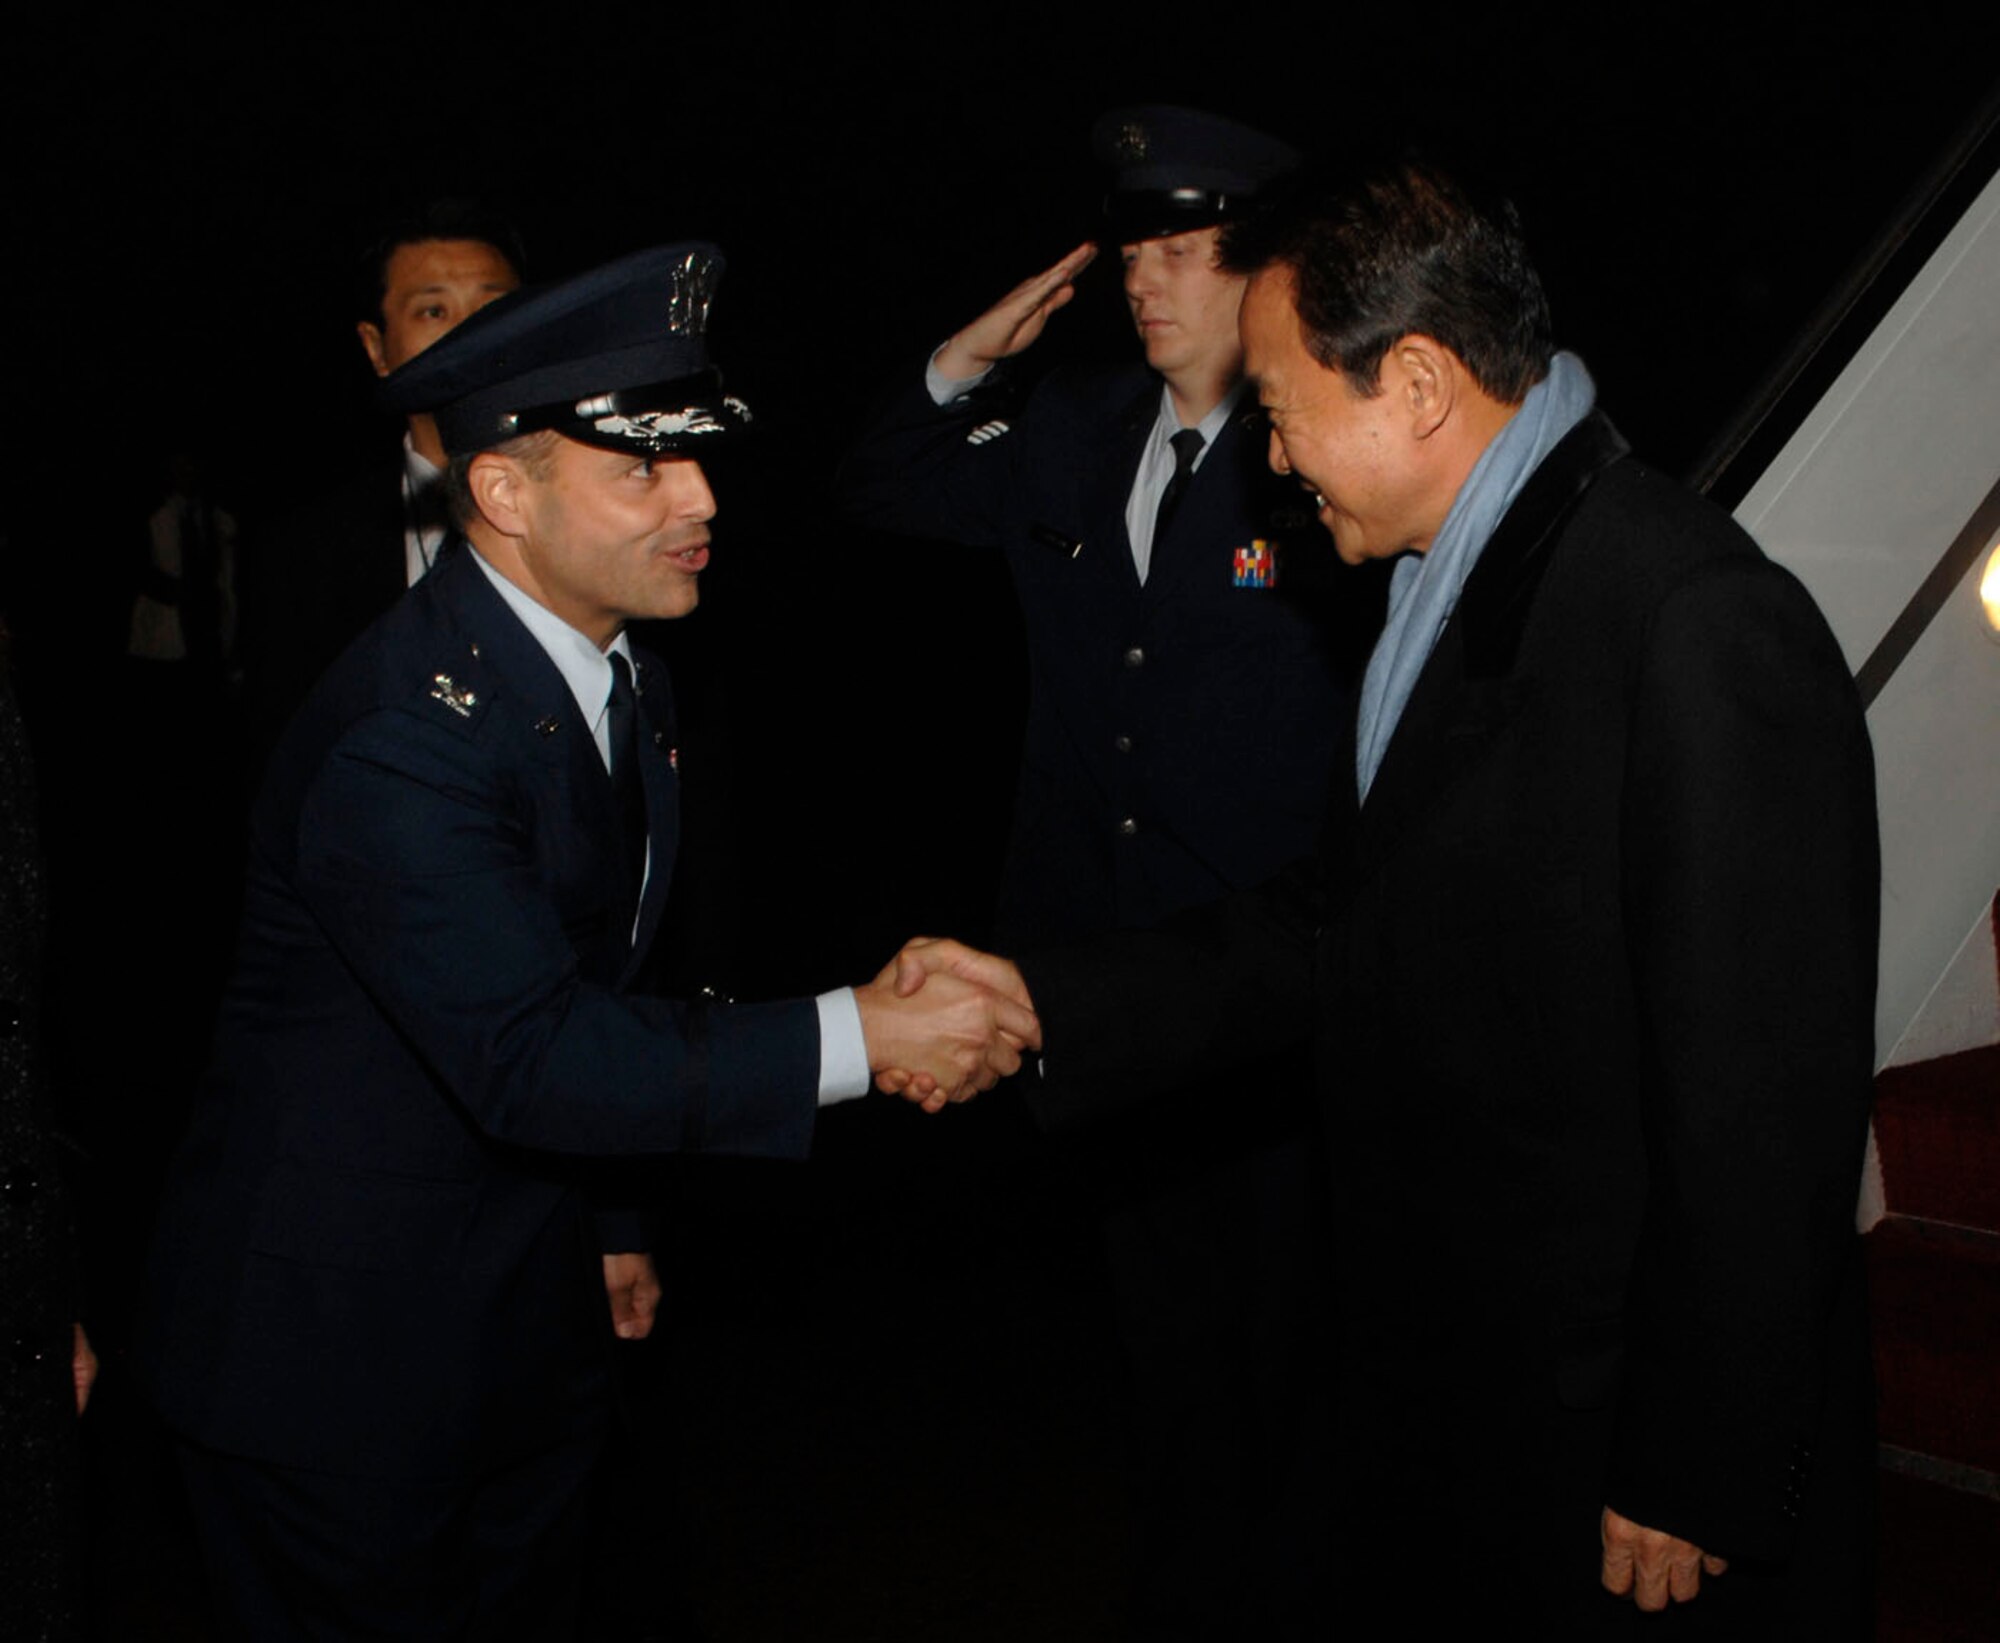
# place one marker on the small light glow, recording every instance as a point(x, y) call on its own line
point(1989, 592)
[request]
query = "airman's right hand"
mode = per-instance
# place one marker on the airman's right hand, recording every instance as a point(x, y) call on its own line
point(1014, 322)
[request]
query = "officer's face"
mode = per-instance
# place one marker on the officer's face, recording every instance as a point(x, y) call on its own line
point(1352, 450)
point(1183, 304)
point(428, 288)
point(609, 538)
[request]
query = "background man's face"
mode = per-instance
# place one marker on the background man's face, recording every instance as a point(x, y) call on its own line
point(614, 537)
point(1351, 450)
point(1183, 305)
point(428, 287)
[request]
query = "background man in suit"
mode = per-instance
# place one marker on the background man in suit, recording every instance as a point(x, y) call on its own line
point(337, 563)
point(1590, 960)
point(375, 1317)
point(1186, 696)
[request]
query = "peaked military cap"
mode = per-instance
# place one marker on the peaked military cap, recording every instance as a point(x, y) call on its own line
point(1173, 169)
point(617, 357)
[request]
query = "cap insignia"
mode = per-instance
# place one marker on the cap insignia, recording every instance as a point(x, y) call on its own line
point(656, 425)
point(1131, 143)
point(693, 290)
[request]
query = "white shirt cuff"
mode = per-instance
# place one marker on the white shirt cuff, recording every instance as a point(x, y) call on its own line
point(943, 389)
point(843, 1052)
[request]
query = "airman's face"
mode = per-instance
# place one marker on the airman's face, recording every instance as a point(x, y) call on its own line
point(1183, 304)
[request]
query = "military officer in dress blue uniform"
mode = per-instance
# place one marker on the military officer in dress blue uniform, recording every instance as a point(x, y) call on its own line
point(1189, 684)
point(376, 1313)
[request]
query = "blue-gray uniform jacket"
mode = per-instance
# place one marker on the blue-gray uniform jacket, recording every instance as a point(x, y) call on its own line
point(377, 1253)
point(1181, 732)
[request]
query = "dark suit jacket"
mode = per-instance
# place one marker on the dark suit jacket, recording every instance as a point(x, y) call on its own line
point(376, 1254)
point(1179, 731)
point(1591, 975)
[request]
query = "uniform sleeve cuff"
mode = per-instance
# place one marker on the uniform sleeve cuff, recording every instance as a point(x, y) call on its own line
point(843, 1052)
point(943, 389)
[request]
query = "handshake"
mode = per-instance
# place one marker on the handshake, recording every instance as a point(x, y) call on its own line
point(944, 1021)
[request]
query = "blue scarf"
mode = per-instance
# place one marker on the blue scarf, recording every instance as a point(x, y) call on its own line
point(1424, 587)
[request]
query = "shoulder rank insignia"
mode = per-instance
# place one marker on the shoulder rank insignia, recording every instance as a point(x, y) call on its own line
point(1256, 566)
point(445, 690)
point(986, 432)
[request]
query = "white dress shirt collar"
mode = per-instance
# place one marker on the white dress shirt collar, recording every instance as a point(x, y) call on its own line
point(424, 513)
point(1156, 468)
point(585, 668)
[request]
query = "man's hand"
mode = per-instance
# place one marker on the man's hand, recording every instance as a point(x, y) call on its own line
point(947, 1040)
point(1649, 1565)
point(634, 1289)
point(1014, 322)
point(83, 1367)
point(925, 956)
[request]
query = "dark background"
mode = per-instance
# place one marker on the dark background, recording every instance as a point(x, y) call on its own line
point(188, 195)
point(187, 198)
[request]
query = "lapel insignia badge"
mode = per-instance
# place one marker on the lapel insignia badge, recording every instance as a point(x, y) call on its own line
point(1256, 566)
point(445, 690)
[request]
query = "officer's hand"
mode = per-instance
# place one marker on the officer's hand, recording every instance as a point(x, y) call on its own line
point(1015, 320)
point(83, 1367)
point(945, 1039)
point(634, 1291)
point(906, 973)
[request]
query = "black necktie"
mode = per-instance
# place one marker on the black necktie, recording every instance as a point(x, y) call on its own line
point(626, 787)
point(1187, 446)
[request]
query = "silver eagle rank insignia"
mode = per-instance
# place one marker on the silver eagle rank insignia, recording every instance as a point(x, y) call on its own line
point(445, 689)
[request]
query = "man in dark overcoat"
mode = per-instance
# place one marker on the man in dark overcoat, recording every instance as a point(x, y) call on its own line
point(1589, 960)
point(376, 1314)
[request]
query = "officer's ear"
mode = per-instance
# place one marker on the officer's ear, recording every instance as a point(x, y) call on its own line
point(498, 486)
